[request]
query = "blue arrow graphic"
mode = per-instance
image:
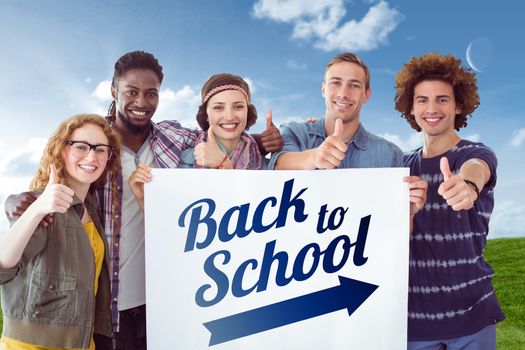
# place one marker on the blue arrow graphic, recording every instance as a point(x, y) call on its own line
point(350, 294)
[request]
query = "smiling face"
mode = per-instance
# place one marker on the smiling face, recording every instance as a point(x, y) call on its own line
point(227, 113)
point(81, 172)
point(136, 94)
point(434, 107)
point(344, 90)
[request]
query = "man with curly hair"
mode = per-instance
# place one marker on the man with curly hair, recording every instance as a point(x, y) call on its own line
point(452, 304)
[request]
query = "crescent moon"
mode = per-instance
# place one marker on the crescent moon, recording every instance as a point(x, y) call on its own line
point(470, 61)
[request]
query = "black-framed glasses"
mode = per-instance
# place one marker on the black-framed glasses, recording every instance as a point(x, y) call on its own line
point(81, 149)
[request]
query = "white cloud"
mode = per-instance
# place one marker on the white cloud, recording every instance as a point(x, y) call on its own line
point(17, 168)
point(9, 186)
point(412, 142)
point(508, 220)
point(518, 138)
point(291, 10)
point(473, 137)
point(365, 35)
point(251, 84)
point(322, 21)
point(23, 162)
point(387, 71)
point(292, 64)
point(103, 91)
point(181, 105)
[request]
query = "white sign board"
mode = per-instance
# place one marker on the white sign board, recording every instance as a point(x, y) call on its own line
point(277, 259)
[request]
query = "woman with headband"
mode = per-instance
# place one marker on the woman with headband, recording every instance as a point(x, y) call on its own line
point(224, 115)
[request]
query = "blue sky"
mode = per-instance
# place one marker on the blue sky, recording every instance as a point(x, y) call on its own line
point(56, 60)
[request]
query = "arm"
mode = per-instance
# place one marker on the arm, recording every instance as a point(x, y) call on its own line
point(16, 204)
point(327, 156)
point(459, 194)
point(55, 198)
point(15, 240)
point(297, 160)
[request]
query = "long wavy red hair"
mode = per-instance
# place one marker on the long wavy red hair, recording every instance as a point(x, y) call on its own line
point(57, 143)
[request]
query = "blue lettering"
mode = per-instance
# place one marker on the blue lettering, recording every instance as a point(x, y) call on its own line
point(268, 259)
point(240, 229)
point(287, 203)
point(359, 244)
point(195, 221)
point(328, 261)
point(237, 289)
point(270, 256)
point(298, 265)
point(219, 277)
point(258, 226)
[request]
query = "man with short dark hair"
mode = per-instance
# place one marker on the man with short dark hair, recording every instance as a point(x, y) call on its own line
point(135, 89)
point(451, 304)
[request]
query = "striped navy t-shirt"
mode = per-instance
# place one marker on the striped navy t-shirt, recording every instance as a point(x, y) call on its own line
point(450, 284)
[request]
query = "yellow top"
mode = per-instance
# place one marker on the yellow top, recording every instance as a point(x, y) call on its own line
point(97, 244)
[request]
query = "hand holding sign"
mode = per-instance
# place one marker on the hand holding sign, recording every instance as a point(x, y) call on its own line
point(136, 181)
point(56, 197)
point(271, 138)
point(208, 154)
point(418, 193)
point(454, 190)
point(332, 151)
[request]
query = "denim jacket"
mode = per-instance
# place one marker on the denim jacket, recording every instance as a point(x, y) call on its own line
point(365, 150)
point(48, 299)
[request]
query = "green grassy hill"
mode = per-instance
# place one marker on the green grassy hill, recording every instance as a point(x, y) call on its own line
point(507, 257)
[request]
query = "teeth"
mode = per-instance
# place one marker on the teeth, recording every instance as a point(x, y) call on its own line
point(87, 167)
point(432, 120)
point(228, 126)
point(343, 105)
point(141, 113)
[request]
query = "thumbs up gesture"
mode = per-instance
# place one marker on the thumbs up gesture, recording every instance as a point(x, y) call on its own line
point(454, 190)
point(271, 138)
point(332, 151)
point(56, 198)
point(208, 154)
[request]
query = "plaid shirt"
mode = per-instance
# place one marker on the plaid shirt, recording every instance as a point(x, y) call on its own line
point(168, 140)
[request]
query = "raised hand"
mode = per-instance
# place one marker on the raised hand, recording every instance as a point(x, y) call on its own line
point(208, 154)
point(136, 181)
point(271, 138)
point(454, 190)
point(332, 151)
point(56, 198)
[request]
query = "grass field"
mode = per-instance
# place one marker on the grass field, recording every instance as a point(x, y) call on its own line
point(507, 257)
